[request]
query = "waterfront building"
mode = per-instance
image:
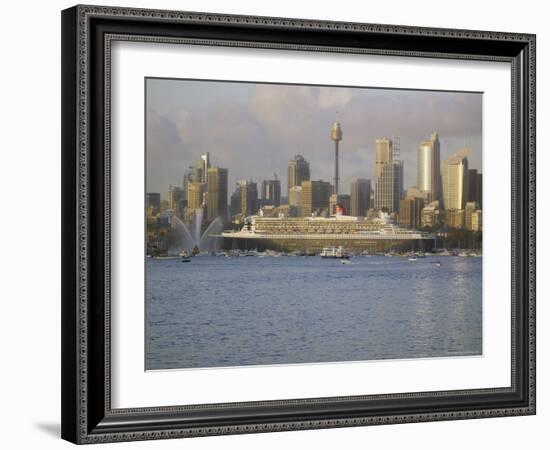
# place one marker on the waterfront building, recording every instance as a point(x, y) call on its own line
point(176, 199)
point(389, 187)
point(384, 154)
point(454, 218)
point(165, 217)
point(195, 194)
point(268, 211)
point(410, 212)
point(472, 216)
point(152, 204)
point(248, 197)
point(336, 135)
point(217, 194)
point(431, 215)
point(372, 214)
point(298, 171)
point(428, 170)
point(454, 176)
point(286, 211)
point(315, 197)
point(271, 192)
point(360, 196)
point(342, 200)
point(278, 211)
point(468, 211)
point(477, 220)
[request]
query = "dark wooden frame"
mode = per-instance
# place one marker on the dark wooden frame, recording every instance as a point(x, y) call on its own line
point(87, 32)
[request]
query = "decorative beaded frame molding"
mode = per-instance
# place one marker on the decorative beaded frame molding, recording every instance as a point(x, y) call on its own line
point(87, 416)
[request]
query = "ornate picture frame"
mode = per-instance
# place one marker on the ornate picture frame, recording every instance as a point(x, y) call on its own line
point(88, 33)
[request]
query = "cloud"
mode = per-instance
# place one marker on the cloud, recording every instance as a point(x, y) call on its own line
point(255, 129)
point(334, 97)
point(287, 114)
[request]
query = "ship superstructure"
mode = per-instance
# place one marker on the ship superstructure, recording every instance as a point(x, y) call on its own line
point(315, 233)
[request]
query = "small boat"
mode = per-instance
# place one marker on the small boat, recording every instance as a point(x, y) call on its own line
point(185, 256)
point(334, 253)
point(413, 258)
point(438, 263)
point(195, 251)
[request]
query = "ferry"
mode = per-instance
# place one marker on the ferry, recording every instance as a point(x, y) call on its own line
point(334, 253)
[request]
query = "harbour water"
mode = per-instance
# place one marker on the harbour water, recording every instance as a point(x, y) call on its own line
point(220, 312)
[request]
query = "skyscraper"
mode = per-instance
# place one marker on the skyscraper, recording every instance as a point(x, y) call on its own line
point(249, 197)
point(431, 215)
point(295, 199)
point(315, 196)
point(152, 203)
point(475, 185)
point(195, 192)
point(195, 172)
point(384, 154)
point(336, 136)
point(410, 212)
point(298, 171)
point(175, 198)
point(389, 187)
point(454, 176)
point(217, 193)
point(360, 196)
point(479, 191)
point(454, 218)
point(205, 165)
point(235, 202)
point(428, 176)
point(271, 192)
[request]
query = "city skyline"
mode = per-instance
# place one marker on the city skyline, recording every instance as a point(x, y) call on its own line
point(254, 130)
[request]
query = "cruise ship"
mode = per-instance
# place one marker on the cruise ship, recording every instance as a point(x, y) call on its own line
point(312, 234)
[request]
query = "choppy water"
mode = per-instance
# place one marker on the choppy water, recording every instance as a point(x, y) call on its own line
point(218, 311)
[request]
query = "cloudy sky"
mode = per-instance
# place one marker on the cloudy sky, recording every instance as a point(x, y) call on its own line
point(254, 129)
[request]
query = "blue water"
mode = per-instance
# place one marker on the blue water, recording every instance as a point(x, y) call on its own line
point(217, 312)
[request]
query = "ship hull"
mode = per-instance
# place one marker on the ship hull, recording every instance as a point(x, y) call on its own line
point(317, 244)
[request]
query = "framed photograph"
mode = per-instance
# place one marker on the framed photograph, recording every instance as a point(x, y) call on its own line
point(278, 224)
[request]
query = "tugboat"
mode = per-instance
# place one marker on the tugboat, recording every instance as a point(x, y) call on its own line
point(334, 253)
